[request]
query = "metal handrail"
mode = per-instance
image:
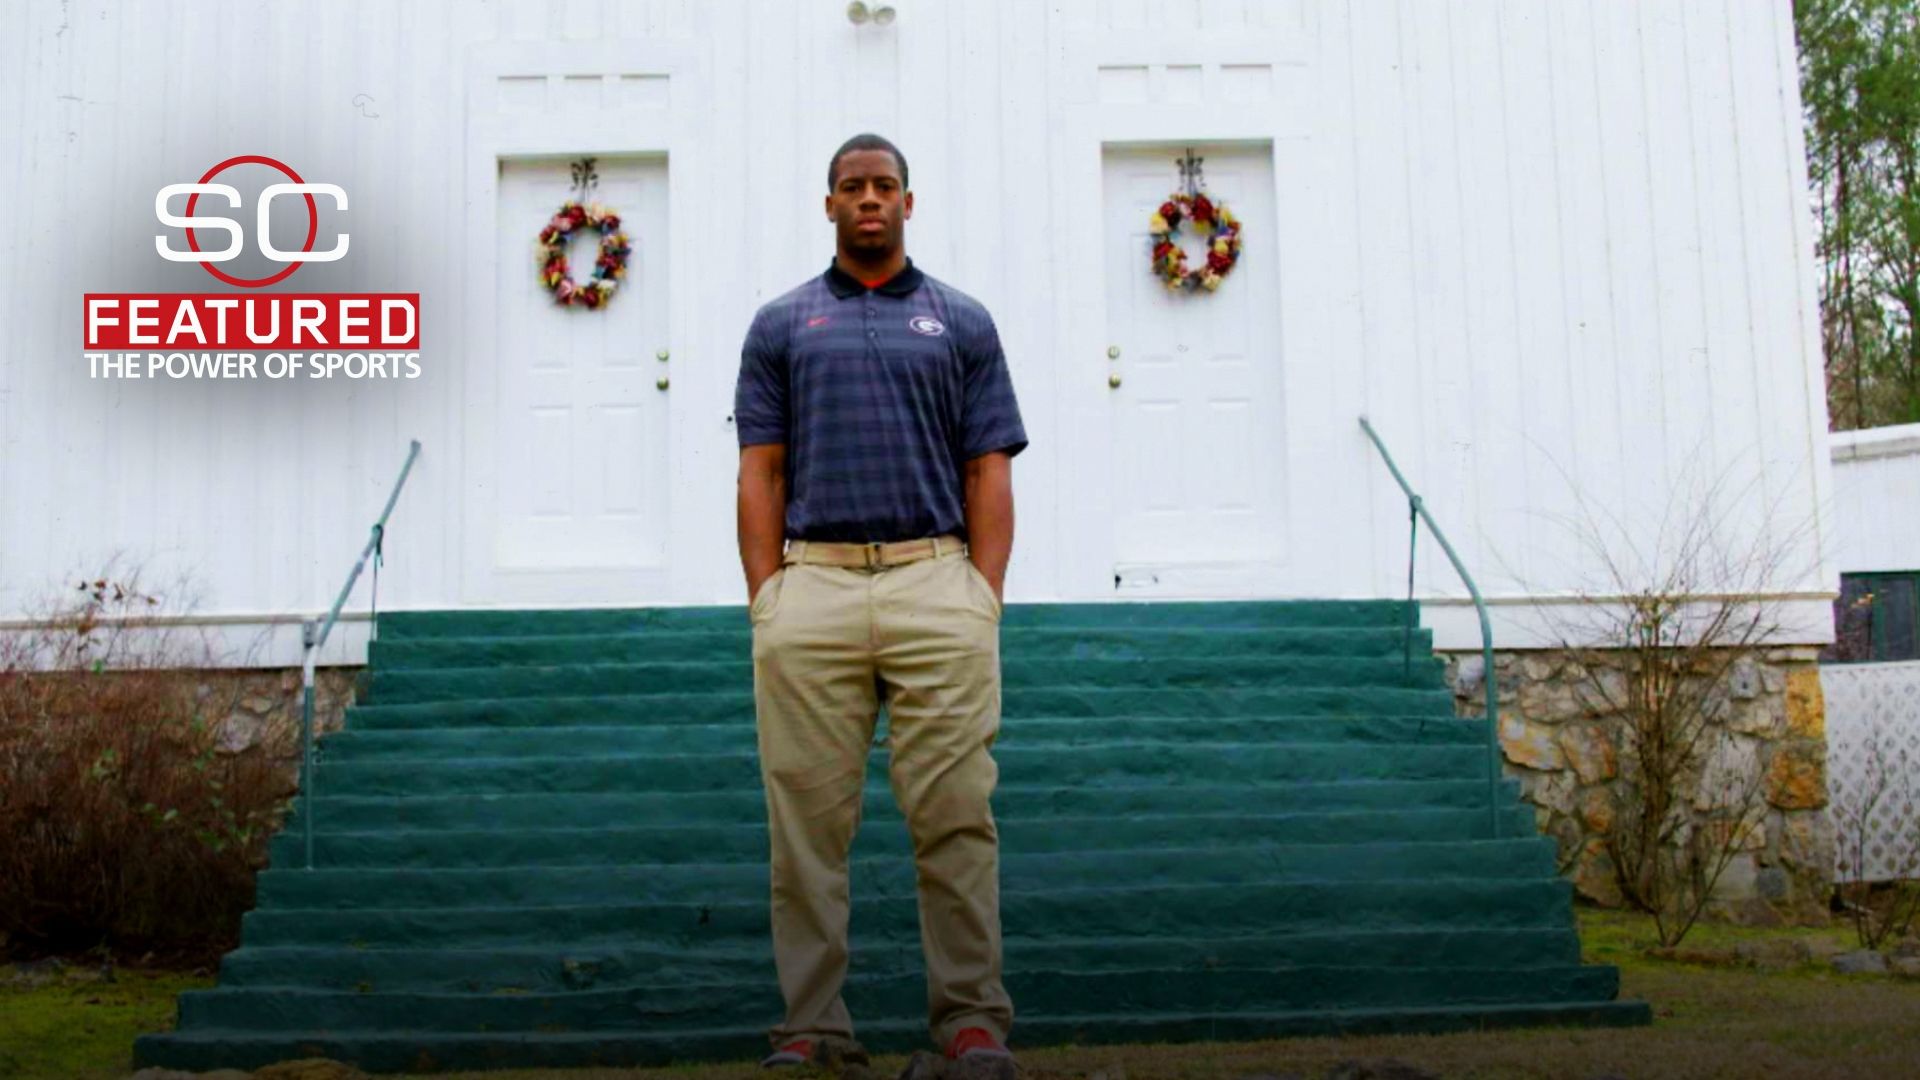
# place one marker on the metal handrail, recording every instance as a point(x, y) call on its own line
point(313, 635)
point(1417, 512)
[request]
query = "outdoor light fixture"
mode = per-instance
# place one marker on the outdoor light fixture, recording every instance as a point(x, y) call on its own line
point(880, 14)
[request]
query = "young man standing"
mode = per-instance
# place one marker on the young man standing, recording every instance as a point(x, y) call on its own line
point(877, 428)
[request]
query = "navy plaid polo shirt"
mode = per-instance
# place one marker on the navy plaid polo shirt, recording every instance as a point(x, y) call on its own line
point(880, 396)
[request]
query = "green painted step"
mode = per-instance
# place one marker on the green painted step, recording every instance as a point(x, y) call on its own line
point(676, 1003)
point(1168, 759)
point(422, 1051)
point(1271, 861)
point(1208, 614)
point(552, 968)
point(1033, 642)
point(716, 706)
point(1119, 910)
point(1026, 731)
point(1266, 672)
point(879, 834)
point(1010, 800)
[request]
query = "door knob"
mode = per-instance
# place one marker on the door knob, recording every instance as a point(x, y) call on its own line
point(661, 383)
point(1113, 380)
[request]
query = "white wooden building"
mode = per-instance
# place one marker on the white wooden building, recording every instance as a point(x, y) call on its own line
point(1549, 248)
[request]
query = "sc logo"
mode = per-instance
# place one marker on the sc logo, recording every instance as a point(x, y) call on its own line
point(236, 237)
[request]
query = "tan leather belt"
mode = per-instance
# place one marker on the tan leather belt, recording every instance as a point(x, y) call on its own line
point(869, 555)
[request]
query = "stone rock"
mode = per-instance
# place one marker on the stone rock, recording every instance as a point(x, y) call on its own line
point(1797, 776)
point(1736, 882)
point(924, 1066)
point(1538, 668)
point(1470, 677)
point(1907, 967)
point(1773, 884)
point(982, 1068)
point(1529, 744)
point(1860, 962)
point(1817, 950)
point(258, 705)
point(1551, 790)
point(240, 732)
point(1764, 718)
point(1806, 706)
point(1768, 954)
point(1599, 693)
point(1743, 679)
point(1566, 834)
point(1548, 702)
point(157, 1073)
point(1591, 753)
point(1594, 876)
point(1806, 841)
point(1379, 1069)
point(1596, 810)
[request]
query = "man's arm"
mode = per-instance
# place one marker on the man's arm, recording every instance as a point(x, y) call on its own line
point(762, 511)
point(989, 510)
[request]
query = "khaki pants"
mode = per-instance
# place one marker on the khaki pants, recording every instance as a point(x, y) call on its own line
point(828, 642)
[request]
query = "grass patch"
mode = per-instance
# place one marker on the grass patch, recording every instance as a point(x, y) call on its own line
point(73, 1026)
point(1711, 1021)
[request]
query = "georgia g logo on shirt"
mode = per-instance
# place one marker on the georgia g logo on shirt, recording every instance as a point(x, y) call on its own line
point(926, 324)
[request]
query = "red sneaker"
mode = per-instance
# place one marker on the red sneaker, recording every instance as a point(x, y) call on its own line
point(797, 1052)
point(976, 1042)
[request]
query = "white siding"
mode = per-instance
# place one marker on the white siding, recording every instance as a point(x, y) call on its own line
point(1876, 499)
point(1549, 248)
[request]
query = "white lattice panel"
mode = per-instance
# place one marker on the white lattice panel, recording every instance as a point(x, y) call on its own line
point(1873, 741)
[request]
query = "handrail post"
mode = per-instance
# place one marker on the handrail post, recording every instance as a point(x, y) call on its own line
point(1417, 509)
point(312, 640)
point(309, 644)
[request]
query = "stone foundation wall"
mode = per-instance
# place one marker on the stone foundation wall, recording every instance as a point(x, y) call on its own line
point(1560, 742)
point(248, 703)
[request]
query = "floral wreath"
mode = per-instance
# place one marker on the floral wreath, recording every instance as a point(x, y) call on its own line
point(1170, 262)
point(608, 269)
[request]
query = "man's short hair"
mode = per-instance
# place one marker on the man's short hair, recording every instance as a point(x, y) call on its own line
point(866, 141)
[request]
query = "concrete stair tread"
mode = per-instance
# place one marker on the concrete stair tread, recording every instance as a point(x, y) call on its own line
point(1199, 614)
point(417, 1050)
point(1120, 909)
point(369, 888)
point(1026, 731)
point(1077, 827)
point(879, 750)
point(675, 1003)
point(419, 685)
point(1343, 796)
point(1356, 642)
point(561, 710)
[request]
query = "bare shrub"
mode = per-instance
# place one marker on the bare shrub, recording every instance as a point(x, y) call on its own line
point(124, 826)
point(1657, 635)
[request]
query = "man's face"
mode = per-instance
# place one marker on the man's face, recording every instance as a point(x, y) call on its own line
point(866, 205)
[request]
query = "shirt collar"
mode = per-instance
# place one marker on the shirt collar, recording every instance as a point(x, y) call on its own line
point(844, 284)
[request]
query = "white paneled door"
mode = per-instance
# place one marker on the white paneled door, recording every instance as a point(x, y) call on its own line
point(580, 429)
point(1196, 423)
